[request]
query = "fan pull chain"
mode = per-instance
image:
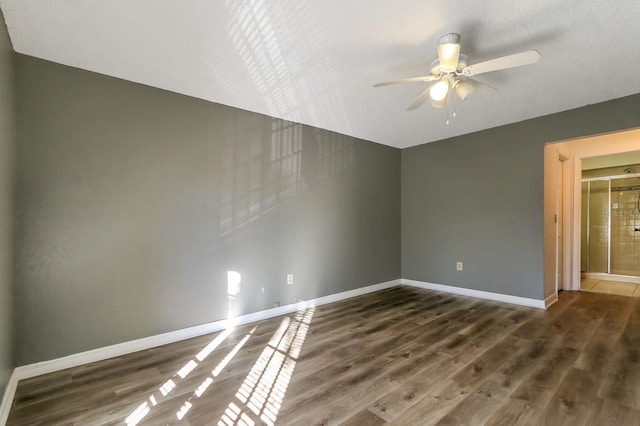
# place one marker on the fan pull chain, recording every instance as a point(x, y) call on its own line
point(453, 114)
point(451, 109)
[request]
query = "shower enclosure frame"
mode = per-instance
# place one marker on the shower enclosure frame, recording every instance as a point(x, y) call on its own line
point(600, 179)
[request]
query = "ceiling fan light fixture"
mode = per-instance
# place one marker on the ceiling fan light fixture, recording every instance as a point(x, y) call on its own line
point(449, 51)
point(463, 89)
point(441, 103)
point(439, 91)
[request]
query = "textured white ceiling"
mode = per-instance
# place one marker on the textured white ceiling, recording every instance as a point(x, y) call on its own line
point(314, 62)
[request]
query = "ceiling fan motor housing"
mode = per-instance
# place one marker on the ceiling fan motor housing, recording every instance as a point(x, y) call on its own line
point(436, 70)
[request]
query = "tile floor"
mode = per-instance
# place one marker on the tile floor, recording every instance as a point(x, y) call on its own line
point(620, 288)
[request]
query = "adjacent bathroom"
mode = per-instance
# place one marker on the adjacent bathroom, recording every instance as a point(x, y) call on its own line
point(610, 240)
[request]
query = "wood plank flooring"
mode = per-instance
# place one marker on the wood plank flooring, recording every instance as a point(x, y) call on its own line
point(402, 356)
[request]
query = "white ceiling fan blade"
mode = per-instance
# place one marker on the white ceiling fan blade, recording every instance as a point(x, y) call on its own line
point(449, 51)
point(406, 80)
point(510, 61)
point(419, 100)
point(483, 84)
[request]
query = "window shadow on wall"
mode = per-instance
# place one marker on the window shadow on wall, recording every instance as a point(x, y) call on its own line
point(270, 162)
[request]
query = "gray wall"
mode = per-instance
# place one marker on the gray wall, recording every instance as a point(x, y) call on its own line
point(478, 199)
point(6, 203)
point(134, 203)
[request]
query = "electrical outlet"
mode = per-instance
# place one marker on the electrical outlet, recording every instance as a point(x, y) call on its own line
point(458, 266)
point(289, 279)
point(263, 289)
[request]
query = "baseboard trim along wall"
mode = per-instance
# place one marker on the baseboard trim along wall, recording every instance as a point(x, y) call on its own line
point(498, 297)
point(45, 367)
point(550, 300)
point(7, 399)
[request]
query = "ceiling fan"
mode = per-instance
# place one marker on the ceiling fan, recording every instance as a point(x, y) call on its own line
point(451, 72)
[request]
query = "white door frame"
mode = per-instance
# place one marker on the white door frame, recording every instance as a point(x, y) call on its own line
point(562, 203)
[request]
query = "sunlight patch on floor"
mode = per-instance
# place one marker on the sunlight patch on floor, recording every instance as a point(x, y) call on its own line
point(144, 409)
point(263, 391)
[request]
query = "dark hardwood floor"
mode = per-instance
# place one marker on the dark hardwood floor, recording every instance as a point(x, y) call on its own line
point(403, 356)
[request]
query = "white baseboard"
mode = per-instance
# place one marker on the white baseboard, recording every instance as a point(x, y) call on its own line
point(506, 298)
point(550, 299)
point(7, 398)
point(99, 354)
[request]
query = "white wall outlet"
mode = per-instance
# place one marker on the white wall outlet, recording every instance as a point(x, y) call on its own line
point(263, 289)
point(458, 266)
point(289, 279)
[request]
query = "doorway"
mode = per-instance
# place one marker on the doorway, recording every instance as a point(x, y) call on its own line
point(562, 244)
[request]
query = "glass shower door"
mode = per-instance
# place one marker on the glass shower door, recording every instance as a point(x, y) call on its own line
point(625, 226)
point(598, 229)
point(584, 235)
